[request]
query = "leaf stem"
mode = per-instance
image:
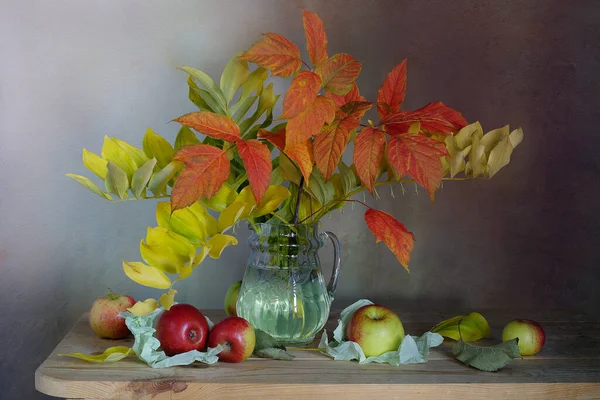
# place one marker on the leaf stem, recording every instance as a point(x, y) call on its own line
point(306, 65)
point(300, 190)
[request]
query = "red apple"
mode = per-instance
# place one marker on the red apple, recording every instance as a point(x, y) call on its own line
point(182, 328)
point(104, 315)
point(530, 334)
point(236, 335)
point(377, 330)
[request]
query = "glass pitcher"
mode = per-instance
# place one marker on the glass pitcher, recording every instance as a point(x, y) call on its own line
point(283, 292)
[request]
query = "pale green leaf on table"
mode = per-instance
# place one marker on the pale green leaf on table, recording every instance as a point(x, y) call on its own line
point(159, 180)
point(254, 83)
point(142, 177)
point(212, 88)
point(138, 155)
point(486, 358)
point(82, 180)
point(95, 163)
point(161, 257)
point(274, 354)
point(112, 354)
point(113, 152)
point(155, 146)
point(267, 347)
point(234, 75)
point(185, 137)
point(116, 180)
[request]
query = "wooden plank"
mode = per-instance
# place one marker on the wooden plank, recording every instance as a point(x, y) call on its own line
point(568, 367)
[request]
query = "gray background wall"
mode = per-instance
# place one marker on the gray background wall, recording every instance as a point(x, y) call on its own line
point(72, 72)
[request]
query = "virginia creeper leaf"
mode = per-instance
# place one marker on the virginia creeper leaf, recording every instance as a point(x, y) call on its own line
point(303, 155)
point(486, 358)
point(146, 275)
point(368, 154)
point(302, 92)
point(393, 233)
point(257, 161)
point(214, 125)
point(116, 180)
point(309, 122)
point(276, 53)
point(419, 156)
point(316, 39)
point(392, 92)
point(338, 73)
point(330, 144)
point(155, 146)
point(82, 180)
point(206, 169)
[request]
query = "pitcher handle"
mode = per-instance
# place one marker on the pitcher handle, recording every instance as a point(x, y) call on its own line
point(337, 258)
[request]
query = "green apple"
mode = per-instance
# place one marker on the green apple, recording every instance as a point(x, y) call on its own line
point(377, 329)
point(530, 334)
point(231, 298)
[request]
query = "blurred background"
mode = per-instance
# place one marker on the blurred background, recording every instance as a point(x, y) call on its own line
point(72, 72)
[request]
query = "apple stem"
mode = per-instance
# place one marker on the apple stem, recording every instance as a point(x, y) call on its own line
point(112, 295)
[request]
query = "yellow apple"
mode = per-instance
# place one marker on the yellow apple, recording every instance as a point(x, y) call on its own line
point(530, 334)
point(231, 299)
point(377, 330)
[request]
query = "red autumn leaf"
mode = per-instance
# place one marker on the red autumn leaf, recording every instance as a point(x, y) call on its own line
point(356, 109)
point(257, 161)
point(309, 122)
point(448, 113)
point(338, 73)
point(400, 122)
point(302, 93)
point(391, 232)
point(206, 168)
point(316, 40)
point(392, 92)
point(419, 156)
point(330, 144)
point(214, 125)
point(368, 154)
point(303, 155)
point(276, 138)
point(276, 53)
point(352, 95)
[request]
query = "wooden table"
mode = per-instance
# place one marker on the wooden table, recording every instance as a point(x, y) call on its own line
point(568, 367)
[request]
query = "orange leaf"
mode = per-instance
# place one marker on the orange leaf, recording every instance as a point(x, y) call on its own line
point(276, 53)
point(338, 73)
point(330, 144)
point(214, 125)
point(399, 123)
point(356, 109)
point(448, 113)
point(368, 154)
point(352, 95)
point(302, 92)
point(303, 155)
point(276, 138)
point(419, 156)
point(392, 92)
point(206, 168)
point(393, 233)
point(257, 161)
point(309, 122)
point(316, 40)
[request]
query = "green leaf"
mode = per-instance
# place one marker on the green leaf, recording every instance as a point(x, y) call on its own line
point(158, 181)
point(185, 137)
point(265, 341)
point(349, 177)
point(141, 177)
point(277, 177)
point(322, 191)
point(113, 152)
point(155, 146)
point(209, 100)
point(95, 163)
point(208, 83)
point(234, 74)
point(90, 185)
point(116, 180)
point(112, 354)
point(274, 353)
point(486, 358)
point(194, 96)
point(289, 170)
point(241, 108)
point(267, 99)
point(254, 83)
point(136, 154)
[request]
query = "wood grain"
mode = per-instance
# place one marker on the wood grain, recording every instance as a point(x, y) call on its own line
point(567, 368)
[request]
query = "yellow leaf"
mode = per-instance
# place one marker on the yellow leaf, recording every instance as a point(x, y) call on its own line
point(155, 146)
point(136, 154)
point(111, 151)
point(466, 135)
point(222, 199)
point(274, 196)
point(476, 164)
point(183, 222)
point(231, 215)
point(167, 299)
point(208, 222)
point(472, 327)
point(161, 257)
point(493, 137)
point(82, 180)
point(146, 275)
point(142, 308)
point(187, 270)
point(112, 354)
point(159, 236)
point(95, 163)
point(516, 137)
point(218, 242)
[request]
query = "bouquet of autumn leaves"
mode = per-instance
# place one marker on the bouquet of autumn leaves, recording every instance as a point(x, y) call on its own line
point(251, 165)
